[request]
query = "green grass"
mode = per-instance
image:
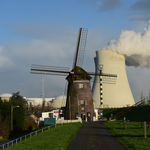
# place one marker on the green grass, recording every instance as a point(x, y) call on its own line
point(132, 138)
point(21, 134)
point(57, 138)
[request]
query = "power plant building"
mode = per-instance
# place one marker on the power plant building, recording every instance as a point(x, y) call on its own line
point(116, 91)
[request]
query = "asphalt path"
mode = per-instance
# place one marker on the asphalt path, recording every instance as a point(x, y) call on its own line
point(94, 136)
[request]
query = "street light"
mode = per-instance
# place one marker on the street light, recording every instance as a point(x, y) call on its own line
point(12, 107)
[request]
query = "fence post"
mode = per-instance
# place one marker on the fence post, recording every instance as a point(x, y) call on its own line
point(42, 130)
point(30, 134)
point(145, 129)
point(12, 143)
point(25, 137)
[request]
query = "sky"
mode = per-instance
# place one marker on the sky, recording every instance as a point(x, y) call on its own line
point(45, 32)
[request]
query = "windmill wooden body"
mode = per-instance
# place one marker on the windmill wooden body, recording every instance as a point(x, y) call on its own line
point(79, 96)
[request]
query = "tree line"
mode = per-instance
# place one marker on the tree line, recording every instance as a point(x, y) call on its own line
point(21, 115)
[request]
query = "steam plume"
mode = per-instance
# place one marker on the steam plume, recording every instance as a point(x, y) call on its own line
point(135, 46)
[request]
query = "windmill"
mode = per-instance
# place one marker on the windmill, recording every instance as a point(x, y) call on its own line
point(79, 96)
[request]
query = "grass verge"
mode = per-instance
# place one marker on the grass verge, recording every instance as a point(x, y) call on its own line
point(53, 139)
point(132, 138)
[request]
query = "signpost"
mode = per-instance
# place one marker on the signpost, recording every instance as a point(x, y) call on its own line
point(49, 121)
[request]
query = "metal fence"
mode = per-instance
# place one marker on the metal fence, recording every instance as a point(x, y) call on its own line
point(24, 137)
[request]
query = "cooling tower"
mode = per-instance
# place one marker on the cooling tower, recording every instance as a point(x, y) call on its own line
point(115, 94)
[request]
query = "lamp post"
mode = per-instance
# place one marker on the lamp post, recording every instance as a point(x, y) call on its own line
point(12, 107)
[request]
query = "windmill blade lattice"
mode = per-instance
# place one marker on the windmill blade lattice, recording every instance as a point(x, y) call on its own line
point(106, 79)
point(80, 48)
point(49, 70)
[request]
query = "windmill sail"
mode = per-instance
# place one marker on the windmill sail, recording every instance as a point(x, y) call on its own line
point(49, 70)
point(80, 48)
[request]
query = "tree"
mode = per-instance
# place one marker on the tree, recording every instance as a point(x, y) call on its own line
point(17, 97)
point(18, 113)
point(4, 118)
point(43, 105)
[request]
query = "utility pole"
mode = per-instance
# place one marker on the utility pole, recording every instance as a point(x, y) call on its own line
point(43, 89)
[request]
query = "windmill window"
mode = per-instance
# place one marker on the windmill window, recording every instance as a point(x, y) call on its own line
point(82, 102)
point(80, 86)
point(82, 108)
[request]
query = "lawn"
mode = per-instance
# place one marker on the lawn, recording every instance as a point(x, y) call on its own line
point(57, 138)
point(132, 138)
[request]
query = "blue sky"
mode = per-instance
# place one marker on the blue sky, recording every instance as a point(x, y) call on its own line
point(45, 32)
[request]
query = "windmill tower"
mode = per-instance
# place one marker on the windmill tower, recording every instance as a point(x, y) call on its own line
point(79, 98)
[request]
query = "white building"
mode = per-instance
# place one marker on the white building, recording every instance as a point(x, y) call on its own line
point(38, 101)
point(30, 101)
point(52, 114)
point(5, 96)
point(119, 93)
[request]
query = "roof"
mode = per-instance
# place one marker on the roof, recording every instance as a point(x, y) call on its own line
point(80, 74)
point(6, 95)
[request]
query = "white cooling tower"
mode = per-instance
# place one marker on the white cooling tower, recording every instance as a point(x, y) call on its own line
point(119, 93)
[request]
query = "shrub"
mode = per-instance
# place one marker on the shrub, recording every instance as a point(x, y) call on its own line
point(30, 124)
point(5, 128)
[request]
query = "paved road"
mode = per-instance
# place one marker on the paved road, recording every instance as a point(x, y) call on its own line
point(94, 136)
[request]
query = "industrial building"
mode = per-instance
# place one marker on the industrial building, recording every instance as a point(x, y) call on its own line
point(59, 102)
point(5, 96)
point(30, 101)
point(116, 91)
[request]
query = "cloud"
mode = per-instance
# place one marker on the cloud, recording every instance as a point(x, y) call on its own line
point(141, 10)
point(4, 60)
point(103, 5)
point(108, 5)
point(140, 17)
point(135, 46)
point(46, 45)
point(142, 5)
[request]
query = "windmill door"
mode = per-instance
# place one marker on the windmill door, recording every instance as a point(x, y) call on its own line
point(88, 116)
point(83, 117)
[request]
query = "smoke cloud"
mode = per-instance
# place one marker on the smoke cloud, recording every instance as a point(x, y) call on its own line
point(134, 46)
